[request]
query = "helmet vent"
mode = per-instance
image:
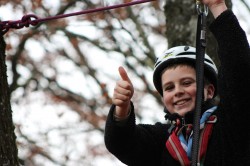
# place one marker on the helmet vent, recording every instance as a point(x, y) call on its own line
point(207, 60)
point(186, 53)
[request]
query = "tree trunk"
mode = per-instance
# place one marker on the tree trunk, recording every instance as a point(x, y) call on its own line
point(181, 22)
point(8, 150)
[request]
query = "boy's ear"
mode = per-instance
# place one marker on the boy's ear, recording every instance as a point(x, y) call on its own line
point(210, 91)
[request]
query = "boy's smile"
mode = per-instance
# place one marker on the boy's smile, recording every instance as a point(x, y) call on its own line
point(182, 103)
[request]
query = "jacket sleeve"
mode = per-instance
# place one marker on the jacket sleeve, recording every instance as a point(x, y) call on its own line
point(134, 144)
point(234, 77)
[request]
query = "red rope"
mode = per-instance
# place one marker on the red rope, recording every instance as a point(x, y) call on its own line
point(34, 20)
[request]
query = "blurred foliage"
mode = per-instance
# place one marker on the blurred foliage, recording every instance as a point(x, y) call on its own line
point(68, 67)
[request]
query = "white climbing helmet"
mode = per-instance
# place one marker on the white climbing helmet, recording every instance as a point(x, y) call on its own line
point(182, 54)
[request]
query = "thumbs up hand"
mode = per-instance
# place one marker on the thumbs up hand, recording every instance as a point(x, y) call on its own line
point(123, 92)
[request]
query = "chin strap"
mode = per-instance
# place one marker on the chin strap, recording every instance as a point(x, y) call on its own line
point(200, 56)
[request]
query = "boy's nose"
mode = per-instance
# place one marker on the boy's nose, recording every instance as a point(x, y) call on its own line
point(178, 90)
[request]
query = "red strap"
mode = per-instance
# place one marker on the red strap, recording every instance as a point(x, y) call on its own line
point(205, 135)
point(176, 150)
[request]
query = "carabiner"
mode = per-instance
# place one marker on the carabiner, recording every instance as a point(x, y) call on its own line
point(201, 9)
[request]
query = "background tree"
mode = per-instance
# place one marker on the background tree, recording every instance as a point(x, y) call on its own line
point(8, 148)
point(181, 22)
point(62, 72)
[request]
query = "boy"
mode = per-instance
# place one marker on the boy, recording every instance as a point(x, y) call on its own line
point(224, 128)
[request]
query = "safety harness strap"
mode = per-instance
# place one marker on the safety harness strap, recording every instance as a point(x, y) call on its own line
point(200, 56)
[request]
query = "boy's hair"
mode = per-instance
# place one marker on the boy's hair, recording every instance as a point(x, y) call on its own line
point(192, 65)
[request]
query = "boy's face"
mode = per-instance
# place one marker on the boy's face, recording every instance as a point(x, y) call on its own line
point(179, 89)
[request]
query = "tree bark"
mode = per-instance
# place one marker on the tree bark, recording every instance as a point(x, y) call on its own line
point(181, 22)
point(8, 150)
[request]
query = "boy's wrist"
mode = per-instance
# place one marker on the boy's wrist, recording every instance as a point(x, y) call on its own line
point(218, 9)
point(120, 115)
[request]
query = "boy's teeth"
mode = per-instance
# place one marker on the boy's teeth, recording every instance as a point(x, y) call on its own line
point(181, 102)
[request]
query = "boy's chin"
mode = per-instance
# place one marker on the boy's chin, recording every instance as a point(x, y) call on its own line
point(183, 112)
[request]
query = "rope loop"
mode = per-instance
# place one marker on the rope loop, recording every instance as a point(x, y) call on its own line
point(4, 26)
point(26, 21)
point(29, 19)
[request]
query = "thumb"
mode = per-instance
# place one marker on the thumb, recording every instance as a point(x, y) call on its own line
point(124, 74)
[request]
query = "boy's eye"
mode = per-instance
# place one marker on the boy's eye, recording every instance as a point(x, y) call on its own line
point(168, 88)
point(187, 83)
